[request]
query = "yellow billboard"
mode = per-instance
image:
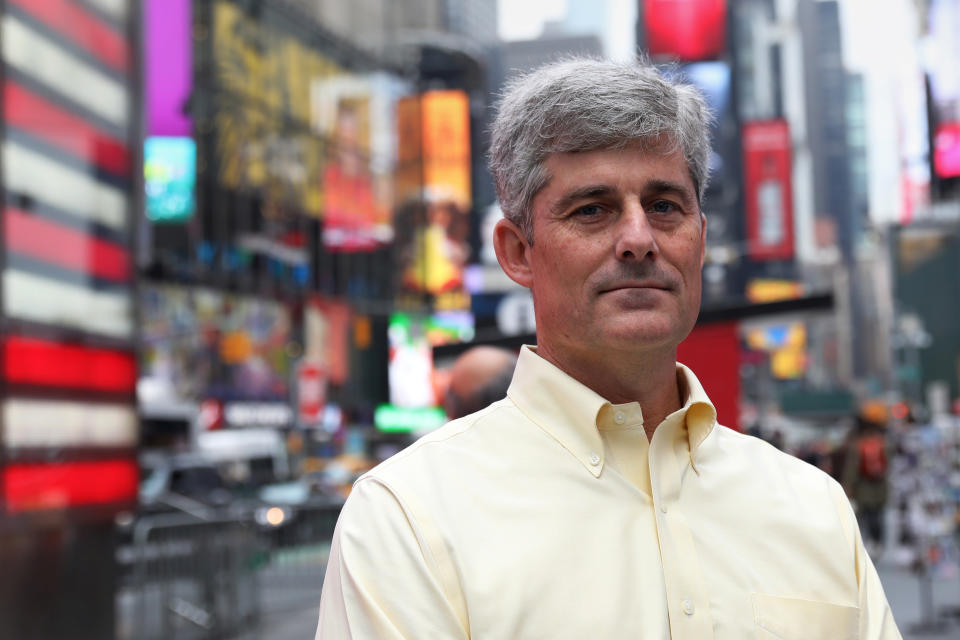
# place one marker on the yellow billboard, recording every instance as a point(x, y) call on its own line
point(433, 182)
point(433, 154)
point(262, 115)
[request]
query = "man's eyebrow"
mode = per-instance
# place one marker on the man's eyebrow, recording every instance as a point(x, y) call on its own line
point(666, 186)
point(582, 193)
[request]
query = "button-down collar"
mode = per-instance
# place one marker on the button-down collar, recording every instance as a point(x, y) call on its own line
point(561, 406)
point(572, 413)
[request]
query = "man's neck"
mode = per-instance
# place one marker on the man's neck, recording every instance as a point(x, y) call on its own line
point(650, 380)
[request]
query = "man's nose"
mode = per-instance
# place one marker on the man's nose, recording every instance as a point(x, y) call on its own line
point(635, 237)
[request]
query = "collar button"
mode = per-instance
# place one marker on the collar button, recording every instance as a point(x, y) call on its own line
point(594, 459)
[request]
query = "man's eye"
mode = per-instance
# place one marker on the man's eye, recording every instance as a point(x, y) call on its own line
point(663, 206)
point(588, 211)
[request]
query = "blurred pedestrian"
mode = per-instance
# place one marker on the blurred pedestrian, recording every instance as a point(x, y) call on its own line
point(600, 499)
point(866, 467)
point(479, 376)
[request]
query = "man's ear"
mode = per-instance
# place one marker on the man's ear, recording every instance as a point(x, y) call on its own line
point(513, 252)
point(703, 238)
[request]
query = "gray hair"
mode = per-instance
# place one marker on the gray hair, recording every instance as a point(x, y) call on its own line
point(584, 104)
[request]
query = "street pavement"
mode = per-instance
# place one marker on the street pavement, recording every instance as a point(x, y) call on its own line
point(916, 621)
point(289, 625)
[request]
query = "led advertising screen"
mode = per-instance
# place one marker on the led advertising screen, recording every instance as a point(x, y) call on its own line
point(943, 49)
point(263, 139)
point(170, 178)
point(769, 197)
point(356, 114)
point(416, 388)
point(411, 362)
point(946, 150)
point(201, 343)
point(713, 80)
point(168, 66)
point(326, 337)
point(433, 180)
point(685, 30)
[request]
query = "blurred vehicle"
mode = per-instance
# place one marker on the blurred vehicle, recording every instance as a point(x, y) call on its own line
point(245, 477)
point(251, 457)
point(195, 483)
point(187, 482)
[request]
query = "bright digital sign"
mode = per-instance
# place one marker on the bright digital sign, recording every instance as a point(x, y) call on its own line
point(170, 173)
point(686, 30)
point(769, 199)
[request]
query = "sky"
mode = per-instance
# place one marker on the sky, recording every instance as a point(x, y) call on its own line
point(524, 19)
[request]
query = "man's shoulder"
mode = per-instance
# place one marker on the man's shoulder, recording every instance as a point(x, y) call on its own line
point(448, 446)
point(765, 457)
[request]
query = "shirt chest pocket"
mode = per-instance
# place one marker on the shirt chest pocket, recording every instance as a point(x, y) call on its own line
point(796, 619)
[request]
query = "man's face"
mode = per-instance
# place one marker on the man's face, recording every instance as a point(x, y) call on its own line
point(618, 245)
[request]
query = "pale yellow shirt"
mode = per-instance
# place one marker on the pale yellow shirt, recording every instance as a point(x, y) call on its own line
point(548, 516)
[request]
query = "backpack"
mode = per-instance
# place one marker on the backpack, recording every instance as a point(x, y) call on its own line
point(873, 457)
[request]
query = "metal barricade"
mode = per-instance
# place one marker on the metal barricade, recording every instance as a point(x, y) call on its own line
point(188, 578)
point(222, 576)
point(291, 575)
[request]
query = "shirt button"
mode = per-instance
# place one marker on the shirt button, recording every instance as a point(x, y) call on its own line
point(620, 417)
point(687, 606)
point(663, 507)
point(594, 459)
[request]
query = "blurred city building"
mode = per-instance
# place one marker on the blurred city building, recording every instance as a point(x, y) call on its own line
point(69, 367)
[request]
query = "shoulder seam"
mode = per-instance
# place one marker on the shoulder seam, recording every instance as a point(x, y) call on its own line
point(431, 542)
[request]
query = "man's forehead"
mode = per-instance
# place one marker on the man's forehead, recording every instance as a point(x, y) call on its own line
point(605, 166)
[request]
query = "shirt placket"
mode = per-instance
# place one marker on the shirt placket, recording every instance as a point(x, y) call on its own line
point(687, 598)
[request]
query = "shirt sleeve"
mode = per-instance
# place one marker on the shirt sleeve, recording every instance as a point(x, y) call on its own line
point(876, 618)
point(382, 580)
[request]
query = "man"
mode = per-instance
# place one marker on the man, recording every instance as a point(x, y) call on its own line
point(600, 499)
point(865, 471)
point(479, 376)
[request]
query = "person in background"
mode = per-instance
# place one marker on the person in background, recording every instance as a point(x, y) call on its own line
point(479, 376)
point(601, 498)
point(865, 471)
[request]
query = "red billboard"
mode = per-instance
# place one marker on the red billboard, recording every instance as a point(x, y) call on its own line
point(687, 30)
point(946, 150)
point(712, 351)
point(769, 199)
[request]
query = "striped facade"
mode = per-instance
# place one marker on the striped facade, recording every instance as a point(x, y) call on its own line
point(68, 425)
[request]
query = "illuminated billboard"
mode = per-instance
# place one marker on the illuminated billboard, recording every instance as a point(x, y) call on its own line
point(713, 79)
point(433, 131)
point(946, 150)
point(769, 197)
point(416, 389)
point(356, 115)
point(168, 66)
point(943, 48)
point(170, 178)
point(411, 362)
point(201, 343)
point(786, 345)
point(263, 140)
point(433, 180)
point(685, 30)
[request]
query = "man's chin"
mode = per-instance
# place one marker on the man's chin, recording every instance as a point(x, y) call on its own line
point(649, 330)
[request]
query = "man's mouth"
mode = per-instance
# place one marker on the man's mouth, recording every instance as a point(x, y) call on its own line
point(639, 284)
